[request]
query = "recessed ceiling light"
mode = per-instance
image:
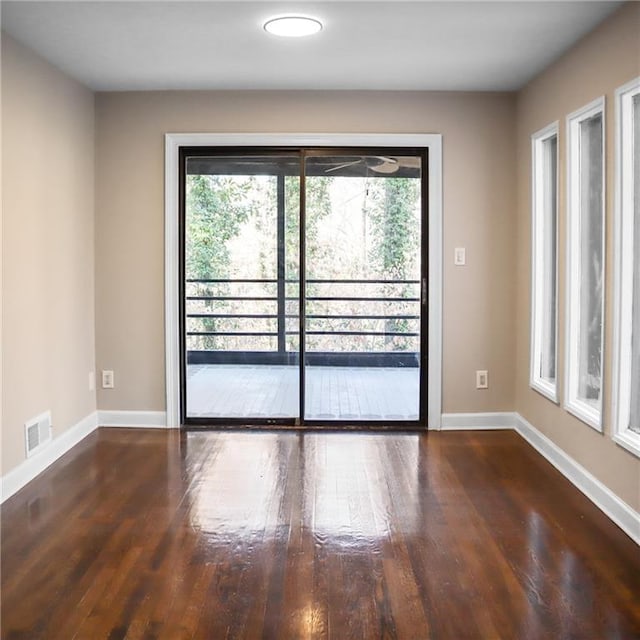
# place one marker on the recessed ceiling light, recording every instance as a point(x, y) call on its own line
point(293, 26)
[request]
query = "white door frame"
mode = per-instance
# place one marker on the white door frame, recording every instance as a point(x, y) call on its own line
point(173, 142)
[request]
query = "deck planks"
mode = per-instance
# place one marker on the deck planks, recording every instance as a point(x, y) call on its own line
point(272, 391)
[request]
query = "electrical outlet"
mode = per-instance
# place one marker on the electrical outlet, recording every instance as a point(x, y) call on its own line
point(459, 256)
point(107, 379)
point(482, 379)
point(92, 381)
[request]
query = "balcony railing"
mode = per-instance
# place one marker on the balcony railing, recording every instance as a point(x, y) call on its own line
point(353, 322)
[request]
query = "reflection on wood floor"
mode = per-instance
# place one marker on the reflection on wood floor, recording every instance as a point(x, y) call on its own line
point(333, 393)
point(279, 535)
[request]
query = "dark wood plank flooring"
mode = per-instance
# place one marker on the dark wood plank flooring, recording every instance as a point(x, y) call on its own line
point(155, 534)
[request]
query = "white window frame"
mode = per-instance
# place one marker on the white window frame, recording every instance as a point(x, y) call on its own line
point(539, 229)
point(623, 267)
point(430, 141)
point(584, 411)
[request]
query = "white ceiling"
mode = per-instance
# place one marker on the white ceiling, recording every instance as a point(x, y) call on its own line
point(393, 45)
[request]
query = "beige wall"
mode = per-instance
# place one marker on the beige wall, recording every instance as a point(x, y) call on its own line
point(48, 342)
point(604, 60)
point(479, 198)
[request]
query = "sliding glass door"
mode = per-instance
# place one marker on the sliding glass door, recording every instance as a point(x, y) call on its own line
point(319, 249)
point(363, 233)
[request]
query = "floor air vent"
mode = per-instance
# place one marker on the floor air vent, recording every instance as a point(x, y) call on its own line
point(37, 432)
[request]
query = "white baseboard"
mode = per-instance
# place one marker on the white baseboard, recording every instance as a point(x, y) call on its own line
point(26, 471)
point(478, 421)
point(146, 419)
point(616, 509)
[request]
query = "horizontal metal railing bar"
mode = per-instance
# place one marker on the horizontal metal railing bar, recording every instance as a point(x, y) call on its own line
point(232, 333)
point(308, 281)
point(232, 280)
point(352, 317)
point(356, 281)
point(263, 298)
point(308, 333)
point(356, 333)
point(311, 298)
point(272, 316)
point(359, 299)
point(252, 316)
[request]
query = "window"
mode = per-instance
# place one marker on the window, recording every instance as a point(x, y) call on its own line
point(585, 267)
point(626, 362)
point(544, 147)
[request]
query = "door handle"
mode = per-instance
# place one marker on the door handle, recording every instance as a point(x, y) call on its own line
point(424, 292)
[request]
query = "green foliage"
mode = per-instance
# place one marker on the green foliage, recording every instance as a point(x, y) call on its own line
point(217, 206)
point(396, 238)
point(394, 226)
point(318, 207)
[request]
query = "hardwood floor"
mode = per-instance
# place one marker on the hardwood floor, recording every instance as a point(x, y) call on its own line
point(155, 534)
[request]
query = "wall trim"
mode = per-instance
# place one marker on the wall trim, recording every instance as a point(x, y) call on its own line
point(27, 470)
point(478, 421)
point(133, 419)
point(431, 141)
point(616, 509)
point(608, 502)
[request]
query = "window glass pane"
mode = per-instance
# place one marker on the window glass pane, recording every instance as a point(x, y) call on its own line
point(241, 253)
point(591, 262)
point(634, 422)
point(548, 337)
point(362, 295)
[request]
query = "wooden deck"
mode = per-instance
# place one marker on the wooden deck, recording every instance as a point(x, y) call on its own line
point(333, 393)
point(151, 534)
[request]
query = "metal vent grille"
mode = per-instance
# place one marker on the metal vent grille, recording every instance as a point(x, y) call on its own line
point(37, 432)
point(33, 437)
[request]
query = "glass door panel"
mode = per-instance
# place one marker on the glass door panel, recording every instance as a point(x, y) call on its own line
point(363, 274)
point(241, 273)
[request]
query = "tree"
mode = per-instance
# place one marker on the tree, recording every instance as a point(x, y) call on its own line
point(318, 207)
point(396, 239)
point(395, 228)
point(216, 208)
